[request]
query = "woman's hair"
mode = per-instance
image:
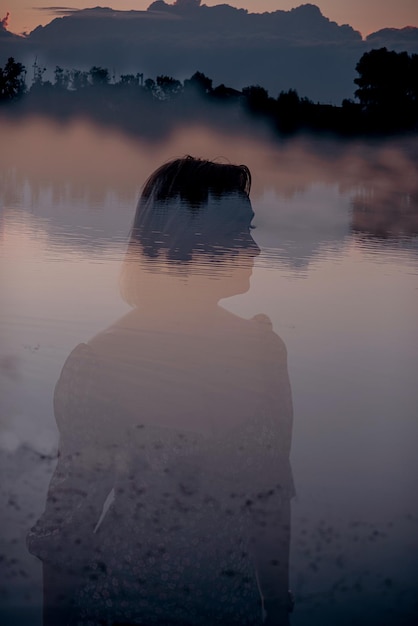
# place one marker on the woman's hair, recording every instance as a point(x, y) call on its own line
point(189, 208)
point(173, 214)
point(192, 180)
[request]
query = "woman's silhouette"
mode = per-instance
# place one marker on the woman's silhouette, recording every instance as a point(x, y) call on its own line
point(170, 501)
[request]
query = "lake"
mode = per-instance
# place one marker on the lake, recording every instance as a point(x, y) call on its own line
point(337, 228)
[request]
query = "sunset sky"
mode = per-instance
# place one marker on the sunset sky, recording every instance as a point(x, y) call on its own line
point(364, 15)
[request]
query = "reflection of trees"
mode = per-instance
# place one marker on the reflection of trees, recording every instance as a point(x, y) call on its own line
point(12, 188)
point(81, 212)
point(302, 187)
point(385, 205)
point(86, 193)
point(389, 215)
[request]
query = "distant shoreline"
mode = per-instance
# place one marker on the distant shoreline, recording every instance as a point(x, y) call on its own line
point(151, 108)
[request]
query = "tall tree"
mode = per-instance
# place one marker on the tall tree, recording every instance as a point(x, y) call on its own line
point(168, 87)
point(38, 77)
point(199, 83)
point(99, 76)
point(256, 97)
point(79, 79)
point(386, 80)
point(12, 80)
point(130, 80)
point(62, 78)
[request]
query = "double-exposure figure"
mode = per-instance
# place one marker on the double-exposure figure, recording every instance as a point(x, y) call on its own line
point(170, 503)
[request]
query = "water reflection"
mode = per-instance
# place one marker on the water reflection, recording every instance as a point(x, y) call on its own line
point(309, 191)
point(385, 215)
point(344, 302)
point(170, 503)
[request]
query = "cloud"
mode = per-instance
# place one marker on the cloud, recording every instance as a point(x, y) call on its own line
point(300, 49)
point(187, 3)
point(230, 45)
point(5, 21)
point(396, 38)
point(57, 10)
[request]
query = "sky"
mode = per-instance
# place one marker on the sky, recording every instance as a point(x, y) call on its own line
point(364, 15)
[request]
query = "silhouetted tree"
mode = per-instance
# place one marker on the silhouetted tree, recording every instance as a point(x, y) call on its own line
point(256, 98)
point(99, 76)
point(288, 110)
point(79, 79)
point(388, 87)
point(38, 77)
point(199, 83)
point(288, 99)
point(414, 78)
point(387, 93)
point(129, 80)
point(382, 77)
point(12, 80)
point(62, 78)
point(149, 85)
point(168, 87)
point(222, 92)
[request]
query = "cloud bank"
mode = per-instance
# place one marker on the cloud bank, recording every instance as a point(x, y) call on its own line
point(299, 49)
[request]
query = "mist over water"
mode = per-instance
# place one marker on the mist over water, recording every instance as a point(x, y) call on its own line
point(337, 228)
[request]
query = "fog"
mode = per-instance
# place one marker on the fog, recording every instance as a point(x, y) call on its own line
point(336, 227)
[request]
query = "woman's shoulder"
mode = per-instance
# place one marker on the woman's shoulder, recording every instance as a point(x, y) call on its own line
point(265, 329)
point(81, 358)
point(262, 318)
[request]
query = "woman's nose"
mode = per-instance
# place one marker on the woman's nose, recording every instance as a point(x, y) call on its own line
point(253, 247)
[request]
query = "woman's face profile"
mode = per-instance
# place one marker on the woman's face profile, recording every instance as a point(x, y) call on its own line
point(193, 223)
point(208, 250)
point(234, 259)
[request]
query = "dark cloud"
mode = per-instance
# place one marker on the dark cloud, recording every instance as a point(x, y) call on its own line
point(187, 3)
point(57, 10)
point(300, 49)
point(395, 38)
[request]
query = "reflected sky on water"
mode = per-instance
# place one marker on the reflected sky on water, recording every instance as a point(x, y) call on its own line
point(337, 227)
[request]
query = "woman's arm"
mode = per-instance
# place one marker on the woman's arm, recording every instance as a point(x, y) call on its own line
point(64, 534)
point(270, 510)
point(84, 474)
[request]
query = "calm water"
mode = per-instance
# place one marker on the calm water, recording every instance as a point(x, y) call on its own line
point(337, 228)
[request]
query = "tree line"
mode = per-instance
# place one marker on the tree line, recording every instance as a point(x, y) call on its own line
point(386, 98)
